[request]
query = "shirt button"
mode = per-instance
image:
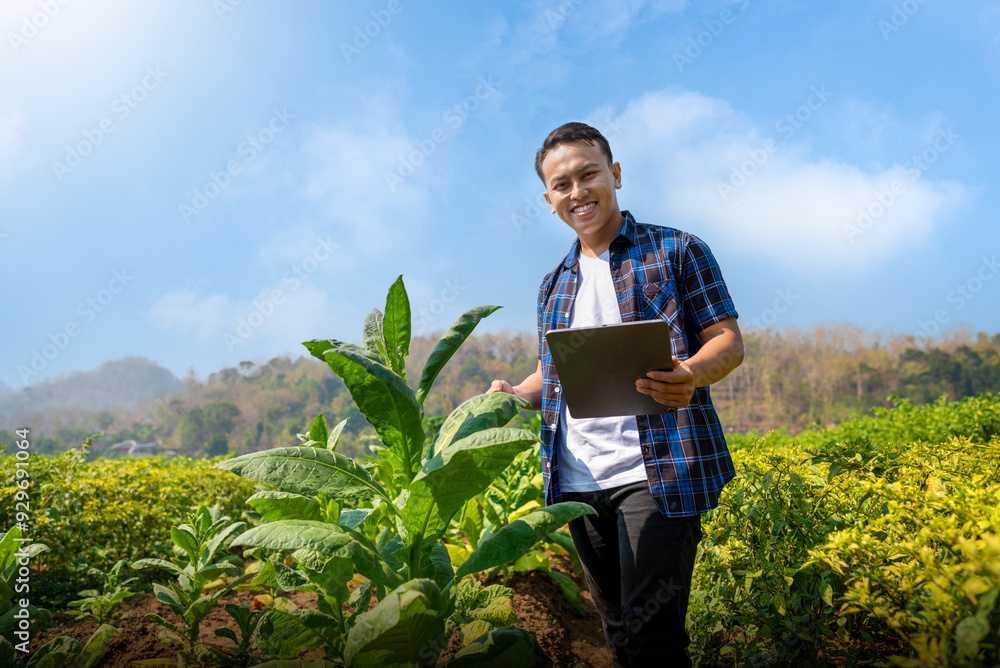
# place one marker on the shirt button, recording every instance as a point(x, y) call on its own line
point(557, 388)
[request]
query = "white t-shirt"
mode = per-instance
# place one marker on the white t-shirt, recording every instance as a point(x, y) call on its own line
point(597, 453)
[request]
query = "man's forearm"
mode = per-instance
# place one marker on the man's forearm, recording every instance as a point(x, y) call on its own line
point(717, 358)
point(530, 390)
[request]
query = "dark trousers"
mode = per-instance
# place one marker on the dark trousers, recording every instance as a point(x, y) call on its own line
point(638, 563)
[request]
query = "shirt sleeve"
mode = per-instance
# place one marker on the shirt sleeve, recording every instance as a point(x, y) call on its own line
point(706, 298)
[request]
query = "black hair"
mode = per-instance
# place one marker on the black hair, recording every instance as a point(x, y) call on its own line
point(568, 133)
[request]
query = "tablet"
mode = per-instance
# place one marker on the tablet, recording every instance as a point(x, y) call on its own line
point(598, 366)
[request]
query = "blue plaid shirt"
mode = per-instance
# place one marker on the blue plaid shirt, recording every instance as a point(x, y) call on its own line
point(658, 273)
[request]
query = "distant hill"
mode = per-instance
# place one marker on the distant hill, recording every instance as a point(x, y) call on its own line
point(793, 377)
point(114, 384)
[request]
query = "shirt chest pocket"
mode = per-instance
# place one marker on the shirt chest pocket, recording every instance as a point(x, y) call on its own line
point(659, 302)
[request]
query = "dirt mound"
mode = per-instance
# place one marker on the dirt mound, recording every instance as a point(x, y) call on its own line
point(569, 639)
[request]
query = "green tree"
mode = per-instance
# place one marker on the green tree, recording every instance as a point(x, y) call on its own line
point(220, 417)
point(217, 445)
point(191, 429)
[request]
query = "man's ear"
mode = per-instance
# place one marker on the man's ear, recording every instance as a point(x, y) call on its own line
point(616, 171)
point(546, 196)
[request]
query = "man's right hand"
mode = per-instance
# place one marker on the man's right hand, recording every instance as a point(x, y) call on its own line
point(530, 389)
point(501, 386)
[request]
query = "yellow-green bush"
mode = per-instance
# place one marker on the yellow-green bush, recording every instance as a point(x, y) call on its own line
point(928, 569)
point(849, 542)
point(94, 513)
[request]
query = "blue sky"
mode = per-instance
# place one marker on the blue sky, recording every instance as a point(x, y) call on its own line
point(208, 181)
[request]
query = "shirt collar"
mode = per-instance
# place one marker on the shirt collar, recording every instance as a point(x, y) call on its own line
point(626, 235)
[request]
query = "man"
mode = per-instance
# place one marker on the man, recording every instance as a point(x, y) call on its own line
point(649, 477)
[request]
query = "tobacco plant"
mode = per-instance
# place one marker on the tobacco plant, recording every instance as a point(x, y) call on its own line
point(386, 518)
point(101, 605)
point(16, 619)
point(199, 583)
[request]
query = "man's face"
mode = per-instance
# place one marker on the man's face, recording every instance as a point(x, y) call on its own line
point(580, 188)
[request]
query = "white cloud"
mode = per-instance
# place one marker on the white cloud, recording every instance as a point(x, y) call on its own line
point(278, 317)
point(187, 310)
point(355, 174)
point(691, 161)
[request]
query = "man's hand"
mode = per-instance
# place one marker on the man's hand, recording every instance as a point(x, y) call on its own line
point(670, 388)
point(501, 386)
point(721, 352)
point(530, 389)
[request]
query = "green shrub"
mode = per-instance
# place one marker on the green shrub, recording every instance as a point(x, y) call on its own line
point(93, 513)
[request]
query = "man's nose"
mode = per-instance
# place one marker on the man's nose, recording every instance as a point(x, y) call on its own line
point(578, 191)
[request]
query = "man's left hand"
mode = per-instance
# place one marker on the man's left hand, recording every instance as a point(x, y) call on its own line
point(670, 388)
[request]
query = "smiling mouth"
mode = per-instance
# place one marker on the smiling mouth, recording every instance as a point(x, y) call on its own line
point(584, 208)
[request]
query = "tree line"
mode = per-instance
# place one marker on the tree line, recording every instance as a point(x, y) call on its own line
point(793, 378)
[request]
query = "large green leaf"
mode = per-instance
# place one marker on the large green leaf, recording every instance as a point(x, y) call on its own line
point(273, 573)
point(285, 633)
point(8, 655)
point(446, 346)
point(276, 506)
point(307, 471)
point(331, 574)
point(55, 653)
point(7, 620)
point(396, 326)
point(328, 539)
point(372, 336)
point(185, 539)
point(93, 651)
point(163, 564)
point(404, 629)
point(383, 397)
point(452, 477)
point(482, 411)
point(513, 540)
point(506, 646)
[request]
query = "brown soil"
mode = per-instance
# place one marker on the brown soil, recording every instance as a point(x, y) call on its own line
point(570, 641)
